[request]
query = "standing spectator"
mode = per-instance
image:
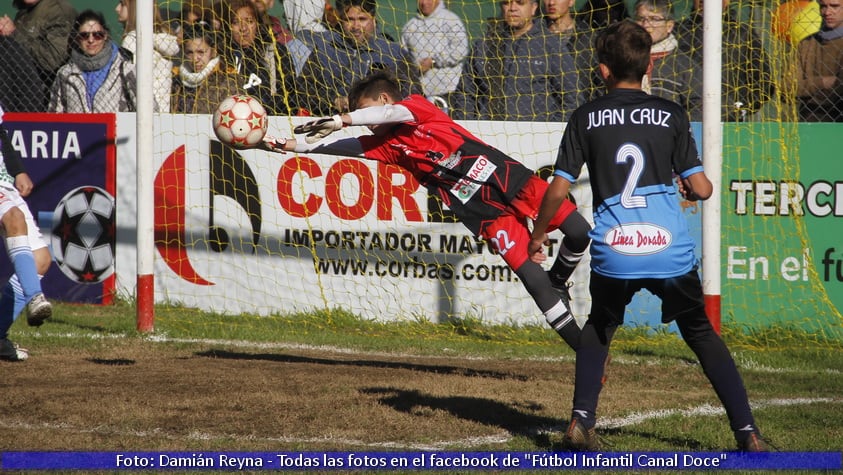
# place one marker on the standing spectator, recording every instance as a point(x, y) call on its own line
point(271, 22)
point(631, 166)
point(26, 248)
point(21, 88)
point(518, 71)
point(208, 11)
point(99, 77)
point(340, 59)
point(165, 46)
point(202, 80)
point(42, 27)
point(747, 78)
point(298, 49)
point(602, 13)
point(438, 42)
point(305, 15)
point(266, 70)
point(194, 11)
point(578, 35)
point(674, 75)
point(819, 86)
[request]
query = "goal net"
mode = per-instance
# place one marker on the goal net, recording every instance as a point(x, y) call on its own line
point(246, 231)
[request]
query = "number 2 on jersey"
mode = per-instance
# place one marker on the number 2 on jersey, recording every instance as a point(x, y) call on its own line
point(629, 152)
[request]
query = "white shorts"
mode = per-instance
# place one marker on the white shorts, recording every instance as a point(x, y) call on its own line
point(10, 198)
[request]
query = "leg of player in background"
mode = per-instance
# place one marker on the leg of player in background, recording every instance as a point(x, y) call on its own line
point(13, 292)
point(20, 253)
point(30, 258)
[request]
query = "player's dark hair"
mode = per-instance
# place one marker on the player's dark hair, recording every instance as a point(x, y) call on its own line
point(372, 86)
point(624, 47)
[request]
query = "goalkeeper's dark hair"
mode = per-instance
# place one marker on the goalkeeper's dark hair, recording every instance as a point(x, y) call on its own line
point(372, 86)
point(624, 47)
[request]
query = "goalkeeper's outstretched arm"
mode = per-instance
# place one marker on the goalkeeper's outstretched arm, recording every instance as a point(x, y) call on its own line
point(347, 147)
point(316, 130)
point(372, 116)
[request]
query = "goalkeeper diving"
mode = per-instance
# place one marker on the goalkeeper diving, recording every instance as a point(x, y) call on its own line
point(491, 193)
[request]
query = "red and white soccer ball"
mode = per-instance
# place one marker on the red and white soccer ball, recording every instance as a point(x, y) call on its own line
point(240, 121)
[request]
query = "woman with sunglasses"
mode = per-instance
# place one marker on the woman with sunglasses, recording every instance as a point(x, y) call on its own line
point(99, 77)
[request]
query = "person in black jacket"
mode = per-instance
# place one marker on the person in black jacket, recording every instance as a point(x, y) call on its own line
point(21, 87)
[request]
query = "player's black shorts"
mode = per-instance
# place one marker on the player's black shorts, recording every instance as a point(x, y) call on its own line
point(610, 296)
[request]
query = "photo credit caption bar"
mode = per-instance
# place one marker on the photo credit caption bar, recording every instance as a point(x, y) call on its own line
point(280, 461)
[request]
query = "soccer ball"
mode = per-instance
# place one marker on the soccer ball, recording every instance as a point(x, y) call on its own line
point(240, 121)
point(83, 235)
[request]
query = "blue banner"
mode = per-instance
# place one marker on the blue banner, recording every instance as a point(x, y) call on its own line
point(71, 160)
point(450, 461)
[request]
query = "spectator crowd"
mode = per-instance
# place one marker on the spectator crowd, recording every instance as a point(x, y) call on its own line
point(532, 61)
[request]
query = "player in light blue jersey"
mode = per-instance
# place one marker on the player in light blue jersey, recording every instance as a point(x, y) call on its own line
point(26, 248)
point(633, 145)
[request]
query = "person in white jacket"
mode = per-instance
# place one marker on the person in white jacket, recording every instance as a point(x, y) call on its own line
point(438, 41)
point(165, 47)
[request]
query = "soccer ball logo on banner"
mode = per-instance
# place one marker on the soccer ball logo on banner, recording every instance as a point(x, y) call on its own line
point(240, 121)
point(83, 234)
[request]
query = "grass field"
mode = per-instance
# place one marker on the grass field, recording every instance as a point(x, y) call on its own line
point(332, 382)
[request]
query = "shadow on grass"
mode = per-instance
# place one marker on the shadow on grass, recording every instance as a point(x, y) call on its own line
point(509, 417)
point(112, 361)
point(434, 369)
point(545, 432)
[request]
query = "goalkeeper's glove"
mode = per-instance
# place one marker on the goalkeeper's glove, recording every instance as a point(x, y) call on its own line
point(317, 130)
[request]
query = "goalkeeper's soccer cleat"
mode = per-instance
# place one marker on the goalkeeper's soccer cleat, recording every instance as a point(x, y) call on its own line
point(37, 310)
point(11, 351)
point(578, 438)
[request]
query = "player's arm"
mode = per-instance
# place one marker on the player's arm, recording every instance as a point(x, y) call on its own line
point(695, 186)
point(14, 164)
point(347, 146)
point(318, 129)
point(556, 193)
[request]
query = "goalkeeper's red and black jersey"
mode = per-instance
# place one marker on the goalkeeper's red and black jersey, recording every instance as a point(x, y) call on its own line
point(633, 143)
point(473, 179)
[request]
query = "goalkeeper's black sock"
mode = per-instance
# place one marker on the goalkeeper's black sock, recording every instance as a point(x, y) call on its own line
point(564, 265)
point(562, 321)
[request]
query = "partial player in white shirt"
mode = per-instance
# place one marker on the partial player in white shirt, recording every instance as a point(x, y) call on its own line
point(26, 248)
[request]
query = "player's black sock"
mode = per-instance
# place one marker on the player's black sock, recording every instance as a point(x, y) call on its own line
point(562, 321)
point(587, 418)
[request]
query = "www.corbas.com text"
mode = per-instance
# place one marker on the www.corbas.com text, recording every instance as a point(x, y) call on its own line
point(415, 269)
